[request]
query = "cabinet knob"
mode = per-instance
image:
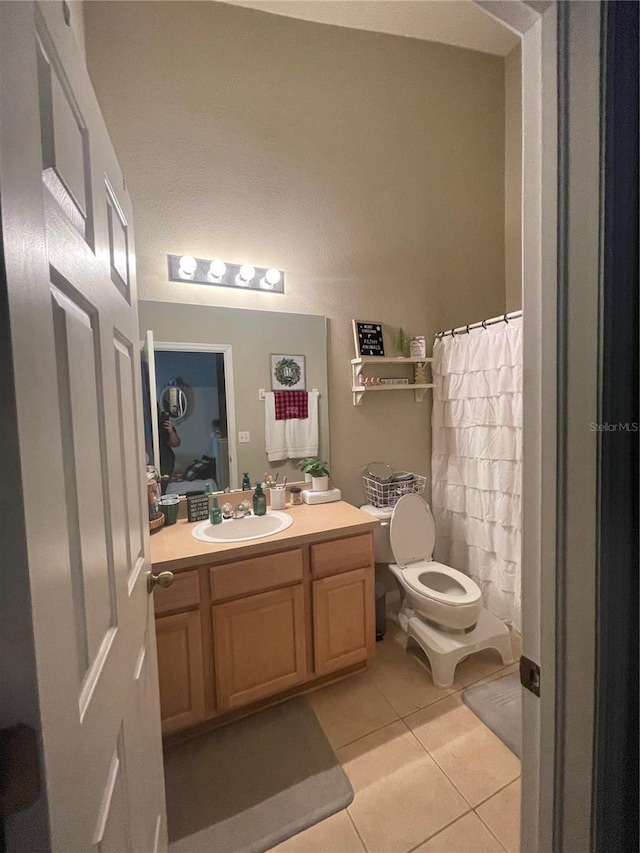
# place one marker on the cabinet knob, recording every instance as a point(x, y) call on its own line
point(163, 579)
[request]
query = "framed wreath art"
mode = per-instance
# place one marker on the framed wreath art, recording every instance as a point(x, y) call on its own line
point(287, 372)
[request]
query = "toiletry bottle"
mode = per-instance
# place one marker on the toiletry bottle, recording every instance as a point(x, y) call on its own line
point(259, 501)
point(215, 514)
point(246, 482)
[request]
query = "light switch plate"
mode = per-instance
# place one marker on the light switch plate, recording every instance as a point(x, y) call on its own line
point(244, 437)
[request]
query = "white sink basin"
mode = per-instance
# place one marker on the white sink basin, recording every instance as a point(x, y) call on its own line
point(243, 529)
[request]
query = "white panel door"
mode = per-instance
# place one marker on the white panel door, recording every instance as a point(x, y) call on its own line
point(70, 282)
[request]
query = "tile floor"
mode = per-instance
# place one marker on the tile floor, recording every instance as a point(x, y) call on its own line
point(428, 775)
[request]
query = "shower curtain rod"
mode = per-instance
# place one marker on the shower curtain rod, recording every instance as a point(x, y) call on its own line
point(463, 330)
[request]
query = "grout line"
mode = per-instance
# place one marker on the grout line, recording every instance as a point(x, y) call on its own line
point(489, 675)
point(435, 701)
point(442, 829)
point(486, 799)
point(484, 823)
point(357, 831)
point(382, 694)
point(444, 772)
point(373, 731)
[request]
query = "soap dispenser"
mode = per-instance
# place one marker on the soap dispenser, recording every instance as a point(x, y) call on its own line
point(215, 514)
point(259, 501)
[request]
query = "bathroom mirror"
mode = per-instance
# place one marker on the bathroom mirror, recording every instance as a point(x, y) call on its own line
point(222, 358)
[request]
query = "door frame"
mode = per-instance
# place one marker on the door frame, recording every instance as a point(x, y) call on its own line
point(538, 31)
point(561, 282)
point(616, 768)
point(229, 389)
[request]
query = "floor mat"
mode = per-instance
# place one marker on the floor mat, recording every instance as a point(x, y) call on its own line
point(498, 703)
point(248, 786)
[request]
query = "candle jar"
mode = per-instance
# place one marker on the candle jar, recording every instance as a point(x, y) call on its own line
point(418, 347)
point(296, 495)
point(153, 492)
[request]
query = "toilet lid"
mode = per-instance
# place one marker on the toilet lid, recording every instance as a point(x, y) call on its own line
point(412, 531)
point(442, 583)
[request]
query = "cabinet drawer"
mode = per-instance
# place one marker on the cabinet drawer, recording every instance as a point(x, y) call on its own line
point(183, 593)
point(341, 555)
point(261, 573)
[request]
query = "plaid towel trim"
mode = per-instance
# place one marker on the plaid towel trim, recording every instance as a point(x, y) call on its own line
point(291, 405)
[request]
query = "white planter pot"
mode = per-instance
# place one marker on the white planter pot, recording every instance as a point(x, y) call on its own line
point(319, 484)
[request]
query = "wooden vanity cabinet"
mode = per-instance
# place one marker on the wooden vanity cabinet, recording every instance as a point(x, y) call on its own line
point(180, 671)
point(259, 646)
point(343, 620)
point(343, 602)
point(181, 652)
point(234, 633)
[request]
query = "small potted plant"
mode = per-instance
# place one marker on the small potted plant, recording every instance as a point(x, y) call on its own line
point(305, 466)
point(319, 471)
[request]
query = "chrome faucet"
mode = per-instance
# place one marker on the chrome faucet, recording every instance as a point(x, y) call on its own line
point(241, 510)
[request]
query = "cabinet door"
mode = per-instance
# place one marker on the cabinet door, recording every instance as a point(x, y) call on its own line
point(343, 620)
point(180, 670)
point(259, 646)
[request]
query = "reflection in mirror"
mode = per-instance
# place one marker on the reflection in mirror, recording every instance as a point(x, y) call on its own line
point(190, 389)
point(174, 401)
point(217, 361)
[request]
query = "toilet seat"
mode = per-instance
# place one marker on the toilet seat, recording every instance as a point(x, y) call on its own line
point(412, 531)
point(468, 591)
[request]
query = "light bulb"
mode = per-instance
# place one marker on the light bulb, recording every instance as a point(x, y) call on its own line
point(247, 272)
point(270, 279)
point(188, 266)
point(217, 269)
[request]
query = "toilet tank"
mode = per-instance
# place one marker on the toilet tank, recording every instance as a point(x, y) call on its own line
point(381, 543)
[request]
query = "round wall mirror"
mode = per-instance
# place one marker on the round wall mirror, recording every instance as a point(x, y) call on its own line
point(174, 401)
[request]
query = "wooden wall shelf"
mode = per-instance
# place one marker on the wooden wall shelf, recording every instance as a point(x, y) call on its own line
point(358, 391)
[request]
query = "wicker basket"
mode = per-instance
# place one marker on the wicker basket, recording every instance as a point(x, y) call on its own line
point(156, 523)
point(384, 493)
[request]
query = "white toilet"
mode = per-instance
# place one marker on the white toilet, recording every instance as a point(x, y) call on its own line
point(441, 607)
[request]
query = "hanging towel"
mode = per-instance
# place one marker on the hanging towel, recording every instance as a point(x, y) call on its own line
point(290, 439)
point(291, 404)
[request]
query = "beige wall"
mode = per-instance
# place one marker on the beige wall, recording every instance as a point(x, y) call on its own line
point(369, 167)
point(76, 8)
point(513, 179)
point(253, 335)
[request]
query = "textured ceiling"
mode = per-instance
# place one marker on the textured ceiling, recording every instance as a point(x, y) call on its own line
point(457, 22)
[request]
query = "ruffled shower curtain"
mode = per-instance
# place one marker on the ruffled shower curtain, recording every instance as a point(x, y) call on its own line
point(477, 460)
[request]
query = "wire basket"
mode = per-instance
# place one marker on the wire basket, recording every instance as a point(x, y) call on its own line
point(383, 493)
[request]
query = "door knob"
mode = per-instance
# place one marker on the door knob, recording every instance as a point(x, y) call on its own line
point(162, 579)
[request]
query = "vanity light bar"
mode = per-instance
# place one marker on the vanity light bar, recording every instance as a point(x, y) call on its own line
point(244, 276)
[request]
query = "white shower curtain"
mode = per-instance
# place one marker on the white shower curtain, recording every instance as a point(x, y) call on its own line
point(477, 460)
